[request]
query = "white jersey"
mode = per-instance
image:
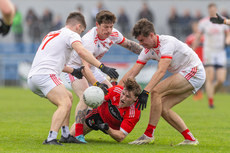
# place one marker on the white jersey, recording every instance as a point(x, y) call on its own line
point(96, 46)
point(214, 35)
point(54, 52)
point(183, 57)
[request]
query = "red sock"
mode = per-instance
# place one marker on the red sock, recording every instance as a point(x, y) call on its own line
point(150, 130)
point(210, 100)
point(188, 135)
point(78, 129)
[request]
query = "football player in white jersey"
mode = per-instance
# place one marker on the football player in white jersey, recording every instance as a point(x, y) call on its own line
point(49, 61)
point(188, 77)
point(98, 41)
point(215, 58)
point(8, 11)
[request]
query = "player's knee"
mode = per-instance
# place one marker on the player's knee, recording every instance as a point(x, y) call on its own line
point(220, 81)
point(155, 94)
point(66, 103)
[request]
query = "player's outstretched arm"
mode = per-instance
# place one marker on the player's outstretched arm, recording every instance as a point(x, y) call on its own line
point(90, 77)
point(132, 73)
point(117, 135)
point(75, 72)
point(88, 74)
point(132, 46)
point(88, 57)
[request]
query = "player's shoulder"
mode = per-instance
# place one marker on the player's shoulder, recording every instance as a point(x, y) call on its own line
point(117, 88)
point(204, 20)
point(115, 33)
point(90, 34)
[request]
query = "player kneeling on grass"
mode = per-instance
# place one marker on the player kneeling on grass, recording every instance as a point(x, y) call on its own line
point(118, 115)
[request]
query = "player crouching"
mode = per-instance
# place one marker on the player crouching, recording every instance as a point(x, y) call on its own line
point(118, 115)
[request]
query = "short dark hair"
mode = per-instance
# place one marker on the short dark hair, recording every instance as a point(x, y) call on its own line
point(212, 5)
point(105, 16)
point(143, 27)
point(132, 86)
point(76, 17)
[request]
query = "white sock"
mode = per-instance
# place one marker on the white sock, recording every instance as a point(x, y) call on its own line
point(52, 135)
point(65, 131)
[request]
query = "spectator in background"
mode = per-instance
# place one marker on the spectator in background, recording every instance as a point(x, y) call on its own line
point(224, 13)
point(57, 23)
point(146, 13)
point(173, 22)
point(79, 8)
point(123, 22)
point(185, 22)
point(47, 21)
point(34, 26)
point(17, 26)
point(100, 7)
point(199, 51)
point(198, 16)
point(7, 10)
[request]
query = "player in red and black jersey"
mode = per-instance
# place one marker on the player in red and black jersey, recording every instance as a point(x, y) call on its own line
point(118, 115)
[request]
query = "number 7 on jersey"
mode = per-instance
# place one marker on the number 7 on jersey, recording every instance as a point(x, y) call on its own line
point(51, 36)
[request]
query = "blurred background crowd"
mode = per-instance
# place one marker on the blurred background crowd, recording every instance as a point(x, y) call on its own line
point(34, 19)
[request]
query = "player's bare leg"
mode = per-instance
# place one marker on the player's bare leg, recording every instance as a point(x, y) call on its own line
point(220, 78)
point(58, 96)
point(66, 137)
point(209, 85)
point(79, 86)
point(175, 84)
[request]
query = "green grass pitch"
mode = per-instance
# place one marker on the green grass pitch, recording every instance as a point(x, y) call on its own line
point(25, 121)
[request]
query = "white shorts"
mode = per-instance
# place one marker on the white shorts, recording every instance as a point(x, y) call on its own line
point(97, 74)
point(196, 76)
point(42, 84)
point(215, 58)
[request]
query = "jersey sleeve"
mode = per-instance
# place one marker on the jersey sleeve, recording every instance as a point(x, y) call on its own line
point(130, 120)
point(74, 37)
point(117, 37)
point(113, 91)
point(167, 50)
point(143, 57)
point(87, 42)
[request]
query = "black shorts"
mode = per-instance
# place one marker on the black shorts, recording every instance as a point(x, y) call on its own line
point(93, 119)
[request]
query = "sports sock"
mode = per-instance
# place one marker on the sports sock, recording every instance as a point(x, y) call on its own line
point(52, 135)
point(210, 101)
point(150, 130)
point(188, 135)
point(78, 129)
point(65, 131)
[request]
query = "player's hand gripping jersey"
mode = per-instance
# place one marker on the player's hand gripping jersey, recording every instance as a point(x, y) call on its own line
point(123, 119)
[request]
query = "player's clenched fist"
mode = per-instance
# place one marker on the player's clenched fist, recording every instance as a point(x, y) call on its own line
point(142, 100)
point(77, 72)
point(111, 72)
